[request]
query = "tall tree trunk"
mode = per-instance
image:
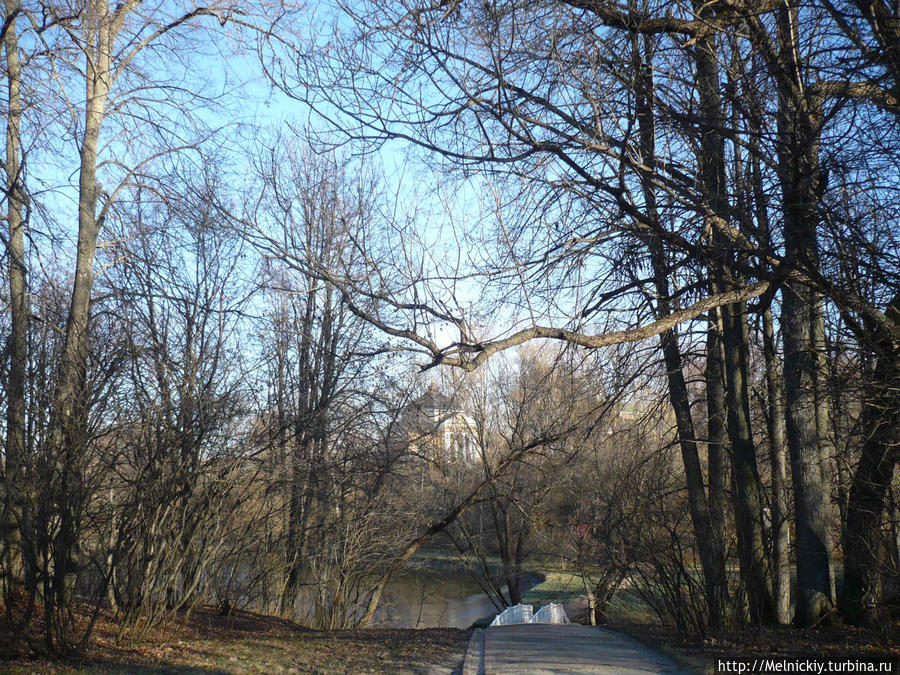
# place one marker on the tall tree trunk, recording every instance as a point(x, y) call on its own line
point(302, 461)
point(69, 403)
point(69, 408)
point(799, 129)
point(713, 566)
point(15, 199)
point(717, 453)
point(781, 538)
point(747, 487)
point(16, 506)
point(280, 461)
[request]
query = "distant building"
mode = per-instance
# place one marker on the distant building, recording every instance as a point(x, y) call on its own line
point(436, 428)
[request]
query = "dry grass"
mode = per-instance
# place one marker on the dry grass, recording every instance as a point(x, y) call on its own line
point(250, 643)
point(839, 642)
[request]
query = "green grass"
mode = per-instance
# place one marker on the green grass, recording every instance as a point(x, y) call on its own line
point(565, 586)
point(627, 605)
point(557, 586)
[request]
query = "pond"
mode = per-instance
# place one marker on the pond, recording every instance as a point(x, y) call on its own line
point(435, 598)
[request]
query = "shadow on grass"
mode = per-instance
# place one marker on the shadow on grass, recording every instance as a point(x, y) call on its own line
point(106, 667)
point(143, 669)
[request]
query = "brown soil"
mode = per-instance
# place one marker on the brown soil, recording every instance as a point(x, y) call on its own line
point(838, 642)
point(244, 642)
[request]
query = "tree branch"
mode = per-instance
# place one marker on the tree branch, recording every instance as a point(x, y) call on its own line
point(458, 355)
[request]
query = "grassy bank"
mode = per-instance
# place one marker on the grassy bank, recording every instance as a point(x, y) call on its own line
point(557, 586)
point(251, 643)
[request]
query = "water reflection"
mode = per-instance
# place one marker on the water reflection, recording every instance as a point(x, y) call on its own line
point(424, 598)
point(432, 599)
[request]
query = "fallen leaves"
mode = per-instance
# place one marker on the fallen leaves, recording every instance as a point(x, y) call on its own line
point(248, 643)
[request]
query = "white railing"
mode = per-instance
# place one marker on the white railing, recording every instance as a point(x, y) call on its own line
point(552, 613)
point(514, 614)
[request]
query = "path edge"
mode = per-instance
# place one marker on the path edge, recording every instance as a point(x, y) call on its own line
point(685, 665)
point(473, 664)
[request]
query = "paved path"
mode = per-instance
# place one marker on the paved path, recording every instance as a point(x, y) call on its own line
point(542, 649)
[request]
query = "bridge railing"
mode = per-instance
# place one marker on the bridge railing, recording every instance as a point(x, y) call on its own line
point(514, 614)
point(552, 613)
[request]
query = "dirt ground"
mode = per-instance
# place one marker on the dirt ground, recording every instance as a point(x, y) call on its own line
point(249, 643)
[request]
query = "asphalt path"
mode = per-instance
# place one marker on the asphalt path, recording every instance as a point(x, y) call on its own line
point(542, 649)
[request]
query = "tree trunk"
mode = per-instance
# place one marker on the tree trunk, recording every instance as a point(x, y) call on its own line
point(712, 565)
point(824, 417)
point(781, 537)
point(21, 561)
point(864, 542)
point(69, 401)
point(799, 129)
point(514, 587)
point(303, 484)
point(813, 543)
point(716, 448)
point(747, 487)
point(15, 197)
point(69, 408)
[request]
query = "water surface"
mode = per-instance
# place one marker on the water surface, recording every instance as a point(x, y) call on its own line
point(429, 598)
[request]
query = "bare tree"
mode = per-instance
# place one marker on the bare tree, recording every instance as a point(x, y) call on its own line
point(98, 56)
point(173, 474)
point(526, 95)
point(14, 192)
